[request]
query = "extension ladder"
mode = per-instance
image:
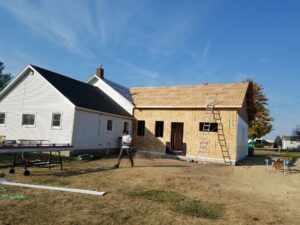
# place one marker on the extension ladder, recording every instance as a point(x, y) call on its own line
point(221, 138)
point(204, 139)
point(212, 114)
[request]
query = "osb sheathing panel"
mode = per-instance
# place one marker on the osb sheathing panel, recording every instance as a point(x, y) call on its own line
point(191, 134)
point(243, 111)
point(226, 95)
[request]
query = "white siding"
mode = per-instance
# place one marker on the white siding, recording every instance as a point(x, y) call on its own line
point(90, 130)
point(33, 94)
point(111, 92)
point(291, 145)
point(242, 139)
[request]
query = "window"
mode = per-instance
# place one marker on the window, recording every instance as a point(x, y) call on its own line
point(213, 126)
point(56, 120)
point(28, 119)
point(159, 129)
point(141, 128)
point(109, 125)
point(2, 118)
point(126, 126)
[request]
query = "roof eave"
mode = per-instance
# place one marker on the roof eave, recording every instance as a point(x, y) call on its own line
point(187, 107)
point(15, 80)
point(101, 112)
point(91, 78)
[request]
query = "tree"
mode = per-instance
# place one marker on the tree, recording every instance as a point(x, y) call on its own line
point(277, 142)
point(296, 131)
point(4, 77)
point(262, 122)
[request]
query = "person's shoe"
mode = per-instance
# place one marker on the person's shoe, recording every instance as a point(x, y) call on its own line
point(132, 165)
point(116, 166)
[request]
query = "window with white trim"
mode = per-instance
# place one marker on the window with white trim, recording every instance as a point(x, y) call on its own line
point(28, 119)
point(109, 125)
point(2, 118)
point(56, 120)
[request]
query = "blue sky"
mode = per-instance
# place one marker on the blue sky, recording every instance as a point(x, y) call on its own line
point(155, 42)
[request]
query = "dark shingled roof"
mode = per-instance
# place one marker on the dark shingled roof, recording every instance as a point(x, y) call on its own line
point(82, 94)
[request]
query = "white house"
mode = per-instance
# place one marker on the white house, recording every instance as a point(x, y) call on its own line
point(291, 142)
point(43, 105)
point(119, 93)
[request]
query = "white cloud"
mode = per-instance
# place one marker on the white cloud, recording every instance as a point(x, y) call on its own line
point(49, 21)
point(84, 27)
point(204, 55)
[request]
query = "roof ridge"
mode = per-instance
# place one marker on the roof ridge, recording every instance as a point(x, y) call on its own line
point(59, 74)
point(82, 94)
point(182, 86)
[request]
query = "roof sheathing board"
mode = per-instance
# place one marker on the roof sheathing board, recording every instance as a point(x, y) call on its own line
point(226, 96)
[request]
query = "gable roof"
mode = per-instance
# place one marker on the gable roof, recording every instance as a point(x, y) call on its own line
point(198, 96)
point(122, 90)
point(81, 94)
point(120, 94)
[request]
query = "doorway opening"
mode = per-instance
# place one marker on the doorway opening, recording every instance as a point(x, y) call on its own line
point(177, 145)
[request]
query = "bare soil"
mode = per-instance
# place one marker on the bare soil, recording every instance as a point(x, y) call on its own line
point(247, 193)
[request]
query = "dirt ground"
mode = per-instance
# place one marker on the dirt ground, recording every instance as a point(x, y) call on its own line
point(247, 193)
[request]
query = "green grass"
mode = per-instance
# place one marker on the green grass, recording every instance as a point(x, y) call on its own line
point(180, 203)
point(283, 153)
point(2, 190)
point(60, 182)
point(199, 209)
point(157, 195)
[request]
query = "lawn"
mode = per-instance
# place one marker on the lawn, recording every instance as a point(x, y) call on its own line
point(155, 191)
point(283, 153)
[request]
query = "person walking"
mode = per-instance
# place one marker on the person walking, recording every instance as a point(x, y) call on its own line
point(126, 146)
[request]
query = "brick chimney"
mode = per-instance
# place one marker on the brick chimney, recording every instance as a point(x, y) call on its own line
point(100, 72)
